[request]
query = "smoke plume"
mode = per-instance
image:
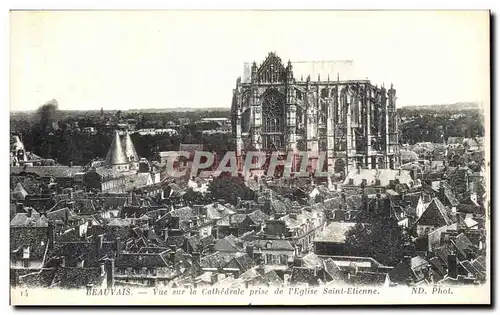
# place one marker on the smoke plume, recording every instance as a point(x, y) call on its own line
point(47, 114)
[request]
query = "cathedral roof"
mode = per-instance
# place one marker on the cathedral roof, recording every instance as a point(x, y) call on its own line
point(324, 70)
point(128, 147)
point(115, 154)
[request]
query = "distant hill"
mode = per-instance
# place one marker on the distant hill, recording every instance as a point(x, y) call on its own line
point(444, 107)
point(142, 110)
point(178, 109)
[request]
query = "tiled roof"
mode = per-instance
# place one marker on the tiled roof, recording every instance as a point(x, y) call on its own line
point(191, 147)
point(369, 278)
point(448, 192)
point(34, 237)
point(40, 278)
point(258, 217)
point(237, 219)
point(241, 261)
point(465, 246)
point(272, 244)
point(120, 222)
point(332, 269)
point(217, 211)
point(142, 260)
point(128, 147)
point(116, 155)
point(311, 260)
point(70, 277)
point(271, 278)
point(175, 241)
point(215, 260)
point(227, 244)
point(19, 192)
point(30, 183)
point(22, 219)
point(61, 214)
point(76, 252)
point(335, 232)
point(49, 171)
point(108, 173)
point(184, 213)
point(278, 206)
point(304, 276)
point(435, 214)
point(383, 175)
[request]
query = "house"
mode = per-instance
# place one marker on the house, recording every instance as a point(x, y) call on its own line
point(29, 245)
point(62, 175)
point(230, 244)
point(435, 215)
point(412, 270)
point(242, 262)
point(447, 197)
point(377, 178)
point(275, 254)
point(310, 277)
point(79, 278)
point(332, 240)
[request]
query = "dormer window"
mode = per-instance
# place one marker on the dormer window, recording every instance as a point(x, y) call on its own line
point(26, 252)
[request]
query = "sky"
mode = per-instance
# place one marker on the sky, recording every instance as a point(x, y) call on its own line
point(167, 59)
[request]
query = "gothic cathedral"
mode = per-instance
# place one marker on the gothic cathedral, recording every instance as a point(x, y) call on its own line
point(353, 121)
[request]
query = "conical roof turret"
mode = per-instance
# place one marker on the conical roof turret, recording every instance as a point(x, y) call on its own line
point(115, 154)
point(129, 149)
point(16, 144)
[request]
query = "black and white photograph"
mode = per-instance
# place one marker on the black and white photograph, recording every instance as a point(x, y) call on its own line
point(237, 157)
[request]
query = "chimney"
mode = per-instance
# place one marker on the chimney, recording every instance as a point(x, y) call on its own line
point(441, 193)
point(29, 211)
point(63, 261)
point(51, 233)
point(297, 262)
point(249, 250)
point(197, 209)
point(99, 241)
point(118, 243)
point(452, 266)
point(213, 278)
point(110, 272)
point(363, 183)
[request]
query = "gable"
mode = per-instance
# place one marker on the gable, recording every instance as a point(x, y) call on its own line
point(434, 215)
point(271, 67)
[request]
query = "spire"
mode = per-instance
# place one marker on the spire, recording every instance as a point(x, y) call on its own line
point(338, 77)
point(129, 149)
point(115, 154)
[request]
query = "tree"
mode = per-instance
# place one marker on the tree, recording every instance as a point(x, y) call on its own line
point(229, 188)
point(381, 239)
point(195, 197)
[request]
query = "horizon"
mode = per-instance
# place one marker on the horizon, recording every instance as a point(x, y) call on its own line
point(183, 108)
point(119, 60)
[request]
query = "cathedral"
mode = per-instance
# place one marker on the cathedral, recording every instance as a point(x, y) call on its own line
point(284, 107)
